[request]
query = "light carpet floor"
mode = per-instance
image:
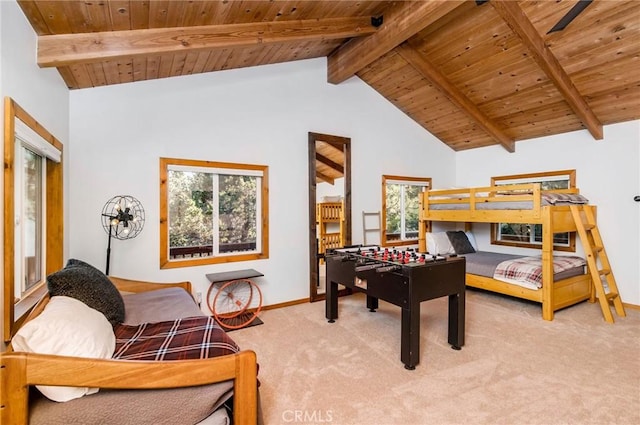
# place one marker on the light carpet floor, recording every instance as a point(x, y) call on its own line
point(515, 368)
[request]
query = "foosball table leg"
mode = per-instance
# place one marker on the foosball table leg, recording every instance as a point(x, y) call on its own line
point(372, 303)
point(331, 302)
point(410, 336)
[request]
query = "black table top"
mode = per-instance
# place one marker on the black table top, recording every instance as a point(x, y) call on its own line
point(233, 275)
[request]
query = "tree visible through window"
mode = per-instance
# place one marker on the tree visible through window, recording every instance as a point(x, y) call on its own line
point(215, 212)
point(30, 226)
point(401, 208)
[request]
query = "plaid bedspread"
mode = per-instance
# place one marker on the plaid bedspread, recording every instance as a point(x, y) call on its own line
point(528, 270)
point(182, 339)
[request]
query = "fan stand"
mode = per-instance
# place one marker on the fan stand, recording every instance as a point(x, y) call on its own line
point(109, 250)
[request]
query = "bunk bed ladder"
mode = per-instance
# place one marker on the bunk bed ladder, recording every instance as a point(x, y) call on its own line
point(594, 250)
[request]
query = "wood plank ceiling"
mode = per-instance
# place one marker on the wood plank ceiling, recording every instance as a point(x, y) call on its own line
point(473, 73)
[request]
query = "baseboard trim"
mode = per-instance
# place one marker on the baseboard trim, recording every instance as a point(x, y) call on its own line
point(281, 305)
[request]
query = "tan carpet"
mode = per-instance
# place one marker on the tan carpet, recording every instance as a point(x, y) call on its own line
point(514, 369)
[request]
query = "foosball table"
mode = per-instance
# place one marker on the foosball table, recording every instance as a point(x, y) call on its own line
point(402, 278)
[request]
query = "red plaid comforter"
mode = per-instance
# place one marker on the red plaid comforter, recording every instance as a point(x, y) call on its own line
point(182, 339)
point(528, 270)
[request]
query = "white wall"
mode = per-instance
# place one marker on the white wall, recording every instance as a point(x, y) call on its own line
point(256, 115)
point(42, 93)
point(607, 174)
point(326, 189)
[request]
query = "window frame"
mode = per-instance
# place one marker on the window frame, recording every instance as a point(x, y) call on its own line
point(15, 313)
point(165, 261)
point(531, 178)
point(383, 218)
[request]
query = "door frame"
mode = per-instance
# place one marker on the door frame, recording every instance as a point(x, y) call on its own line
point(313, 237)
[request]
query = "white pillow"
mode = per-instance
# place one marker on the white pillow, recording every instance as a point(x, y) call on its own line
point(67, 327)
point(472, 240)
point(438, 243)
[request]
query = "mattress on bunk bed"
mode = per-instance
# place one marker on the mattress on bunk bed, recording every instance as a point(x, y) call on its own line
point(521, 270)
point(546, 199)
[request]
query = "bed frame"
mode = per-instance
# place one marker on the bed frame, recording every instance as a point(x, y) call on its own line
point(21, 370)
point(554, 219)
point(328, 213)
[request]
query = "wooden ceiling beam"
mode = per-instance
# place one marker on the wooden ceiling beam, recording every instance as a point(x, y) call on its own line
point(513, 15)
point(71, 49)
point(338, 147)
point(431, 73)
point(324, 178)
point(329, 163)
point(399, 24)
point(328, 138)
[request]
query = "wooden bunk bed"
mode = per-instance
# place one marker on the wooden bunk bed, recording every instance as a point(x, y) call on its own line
point(331, 228)
point(527, 203)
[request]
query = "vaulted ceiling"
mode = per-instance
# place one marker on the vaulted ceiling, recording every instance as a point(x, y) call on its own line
point(473, 73)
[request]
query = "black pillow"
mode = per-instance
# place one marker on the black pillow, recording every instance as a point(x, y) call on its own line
point(460, 242)
point(85, 283)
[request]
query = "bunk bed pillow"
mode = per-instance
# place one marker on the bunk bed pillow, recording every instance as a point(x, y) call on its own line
point(84, 282)
point(564, 198)
point(472, 240)
point(438, 244)
point(67, 327)
point(460, 242)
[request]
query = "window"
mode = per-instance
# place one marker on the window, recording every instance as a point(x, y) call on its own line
point(401, 208)
point(29, 212)
point(212, 212)
point(530, 235)
point(33, 237)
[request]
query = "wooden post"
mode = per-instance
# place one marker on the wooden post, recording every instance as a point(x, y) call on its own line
point(547, 264)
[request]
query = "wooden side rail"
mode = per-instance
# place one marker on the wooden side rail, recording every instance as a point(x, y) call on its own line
point(525, 192)
point(329, 211)
point(471, 204)
point(330, 240)
point(128, 285)
point(21, 370)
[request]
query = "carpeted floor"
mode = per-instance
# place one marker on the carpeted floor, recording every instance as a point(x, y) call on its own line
point(514, 369)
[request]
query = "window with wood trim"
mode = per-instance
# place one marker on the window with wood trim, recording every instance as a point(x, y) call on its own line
point(530, 235)
point(401, 208)
point(212, 212)
point(33, 214)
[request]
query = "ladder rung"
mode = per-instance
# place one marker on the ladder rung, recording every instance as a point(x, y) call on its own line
point(604, 272)
point(611, 295)
point(597, 248)
point(588, 226)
